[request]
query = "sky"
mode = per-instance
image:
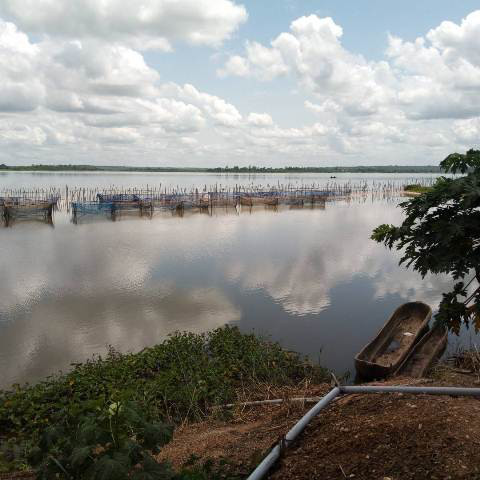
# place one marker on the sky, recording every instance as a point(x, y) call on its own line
point(221, 82)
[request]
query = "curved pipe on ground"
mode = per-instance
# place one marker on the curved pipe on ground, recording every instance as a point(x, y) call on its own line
point(298, 428)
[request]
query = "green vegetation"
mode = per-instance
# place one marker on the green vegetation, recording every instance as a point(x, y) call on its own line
point(441, 234)
point(117, 442)
point(93, 168)
point(231, 170)
point(416, 188)
point(106, 417)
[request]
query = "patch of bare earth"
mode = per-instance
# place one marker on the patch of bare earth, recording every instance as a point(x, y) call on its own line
point(374, 436)
point(245, 437)
point(17, 476)
point(393, 436)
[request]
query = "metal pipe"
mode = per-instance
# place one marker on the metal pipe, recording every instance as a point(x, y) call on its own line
point(455, 391)
point(274, 454)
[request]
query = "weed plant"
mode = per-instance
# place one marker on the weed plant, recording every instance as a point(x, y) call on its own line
point(105, 417)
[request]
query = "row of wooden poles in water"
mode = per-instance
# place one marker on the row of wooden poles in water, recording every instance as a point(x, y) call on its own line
point(18, 203)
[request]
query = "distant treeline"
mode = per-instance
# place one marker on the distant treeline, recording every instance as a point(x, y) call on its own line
point(358, 169)
point(94, 168)
point(234, 170)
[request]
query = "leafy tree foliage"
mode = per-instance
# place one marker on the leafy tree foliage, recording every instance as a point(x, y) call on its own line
point(441, 234)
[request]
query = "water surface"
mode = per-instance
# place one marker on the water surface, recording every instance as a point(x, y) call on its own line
point(310, 278)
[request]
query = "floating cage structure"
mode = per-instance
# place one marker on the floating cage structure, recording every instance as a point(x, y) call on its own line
point(21, 207)
point(114, 203)
point(109, 209)
point(118, 198)
point(117, 201)
point(91, 208)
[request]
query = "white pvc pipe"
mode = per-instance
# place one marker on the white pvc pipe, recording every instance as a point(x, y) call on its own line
point(273, 456)
point(455, 391)
point(275, 401)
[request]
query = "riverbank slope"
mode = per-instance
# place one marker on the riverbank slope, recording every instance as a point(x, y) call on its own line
point(374, 436)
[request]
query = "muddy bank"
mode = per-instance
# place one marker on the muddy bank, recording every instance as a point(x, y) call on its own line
point(394, 436)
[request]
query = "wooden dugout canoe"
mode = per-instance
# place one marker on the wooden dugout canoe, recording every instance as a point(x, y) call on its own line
point(386, 352)
point(424, 354)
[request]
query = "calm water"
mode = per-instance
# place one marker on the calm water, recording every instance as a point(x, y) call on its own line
point(188, 180)
point(309, 278)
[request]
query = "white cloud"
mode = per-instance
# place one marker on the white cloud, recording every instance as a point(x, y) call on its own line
point(434, 77)
point(260, 119)
point(467, 131)
point(146, 24)
point(411, 98)
point(235, 65)
point(431, 83)
point(313, 53)
point(458, 41)
point(90, 94)
point(74, 93)
point(20, 89)
point(223, 113)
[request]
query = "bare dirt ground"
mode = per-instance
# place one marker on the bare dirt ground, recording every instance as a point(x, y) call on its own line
point(374, 436)
point(390, 436)
point(17, 476)
point(243, 439)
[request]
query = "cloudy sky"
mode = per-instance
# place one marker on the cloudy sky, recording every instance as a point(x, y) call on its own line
point(217, 82)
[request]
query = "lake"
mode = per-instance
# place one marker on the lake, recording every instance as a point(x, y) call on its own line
point(310, 278)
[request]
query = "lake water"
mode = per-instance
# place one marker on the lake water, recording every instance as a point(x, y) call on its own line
point(310, 278)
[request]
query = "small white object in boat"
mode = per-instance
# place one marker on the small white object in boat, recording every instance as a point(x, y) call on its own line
point(407, 334)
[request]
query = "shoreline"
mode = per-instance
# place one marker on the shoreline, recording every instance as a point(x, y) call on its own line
point(175, 382)
point(228, 439)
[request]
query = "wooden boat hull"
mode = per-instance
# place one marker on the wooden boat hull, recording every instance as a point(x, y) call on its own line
point(425, 353)
point(386, 352)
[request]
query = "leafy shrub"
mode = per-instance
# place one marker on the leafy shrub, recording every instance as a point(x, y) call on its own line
point(112, 444)
point(417, 188)
point(179, 379)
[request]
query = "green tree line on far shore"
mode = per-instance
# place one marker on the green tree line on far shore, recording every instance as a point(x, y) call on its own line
point(231, 170)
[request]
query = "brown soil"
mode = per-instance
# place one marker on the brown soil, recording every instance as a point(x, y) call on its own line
point(375, 436)
point(245, 438)
point(17, 476)
point(394, 436)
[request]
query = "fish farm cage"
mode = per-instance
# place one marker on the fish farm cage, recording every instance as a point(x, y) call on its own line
point(26, 207)
point(41, 203)
point(114, 203)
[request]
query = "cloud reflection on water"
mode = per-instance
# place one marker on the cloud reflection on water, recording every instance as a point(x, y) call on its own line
point(69, 292)
point(322, 252)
